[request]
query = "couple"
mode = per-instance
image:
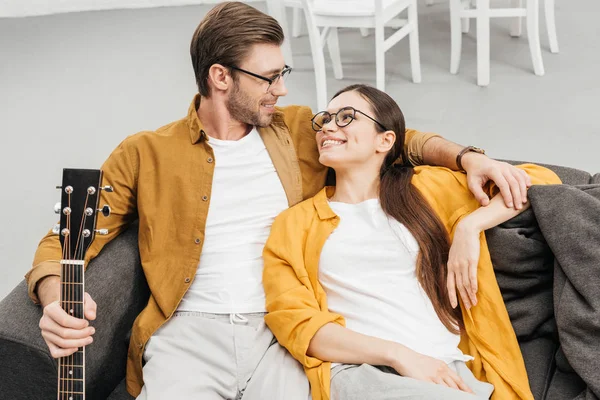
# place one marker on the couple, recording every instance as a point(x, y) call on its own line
point(206, 190)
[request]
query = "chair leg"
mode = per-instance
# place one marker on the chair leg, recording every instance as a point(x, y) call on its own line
point(466, 22)
point(333, 44)
point(297, 22)
point(533, 34)
point(413, 36)
point(380, 57)
point(483, 42)
point(551, 25)
point(455, 35)
point(277, 10)
point(516, 27)
point(316, 48)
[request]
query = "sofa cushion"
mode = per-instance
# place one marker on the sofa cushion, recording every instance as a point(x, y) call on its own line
point(596, 179)
point(524, 268)
point(569, 218)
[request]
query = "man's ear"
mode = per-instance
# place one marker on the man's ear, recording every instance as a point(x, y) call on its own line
point(219, 77)
point(386, 141)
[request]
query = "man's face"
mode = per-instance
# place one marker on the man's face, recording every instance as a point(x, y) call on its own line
point(252, 100)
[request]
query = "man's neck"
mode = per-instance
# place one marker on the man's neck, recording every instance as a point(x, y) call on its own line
point(218, 123)
point(355, 186)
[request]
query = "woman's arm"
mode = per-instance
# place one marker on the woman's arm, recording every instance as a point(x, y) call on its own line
point(464, 252)
point(336, 343)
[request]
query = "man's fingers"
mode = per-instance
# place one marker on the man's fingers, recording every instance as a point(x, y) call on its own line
point(89, 307)
point(476, 188)
point(48, 325)
point(451, 284)
point(57, 352)
point(523, 177)
point(55, 312)
point(515, 189)
point(504, 187)
point(61, 343)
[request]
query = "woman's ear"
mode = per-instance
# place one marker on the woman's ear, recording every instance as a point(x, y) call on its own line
point(386, 141)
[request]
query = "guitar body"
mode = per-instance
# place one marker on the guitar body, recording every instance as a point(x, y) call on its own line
point(80, 193)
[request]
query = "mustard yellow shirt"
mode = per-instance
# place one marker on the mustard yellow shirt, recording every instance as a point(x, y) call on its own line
point(297, 304)
point(164, 179)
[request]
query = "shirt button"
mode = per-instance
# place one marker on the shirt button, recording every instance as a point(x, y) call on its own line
point(187, 280)
point(209, 159)
point(204, 198)
point(197, 241)
point(140, 345)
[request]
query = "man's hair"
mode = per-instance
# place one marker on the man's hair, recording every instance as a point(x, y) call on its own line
point(226, 35)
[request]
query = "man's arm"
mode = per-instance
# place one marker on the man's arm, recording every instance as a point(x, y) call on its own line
point(62, 332)
point(431, 149)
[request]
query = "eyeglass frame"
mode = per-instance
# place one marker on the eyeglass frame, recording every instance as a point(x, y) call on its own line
point(286, 69)
point(313, 123)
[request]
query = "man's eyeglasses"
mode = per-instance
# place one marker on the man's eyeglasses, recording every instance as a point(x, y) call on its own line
point(342, 118)
point(272, 80)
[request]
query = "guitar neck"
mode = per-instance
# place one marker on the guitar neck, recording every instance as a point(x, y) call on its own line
point(71, 369)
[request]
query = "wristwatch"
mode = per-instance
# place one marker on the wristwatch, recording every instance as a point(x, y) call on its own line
point(463, 152)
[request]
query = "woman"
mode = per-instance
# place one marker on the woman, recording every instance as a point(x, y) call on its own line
point(361, 280)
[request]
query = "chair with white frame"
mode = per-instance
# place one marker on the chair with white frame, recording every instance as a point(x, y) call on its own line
point(461, 11)
point(332, 14)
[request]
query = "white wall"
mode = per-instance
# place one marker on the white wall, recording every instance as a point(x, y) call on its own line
point(73, 86)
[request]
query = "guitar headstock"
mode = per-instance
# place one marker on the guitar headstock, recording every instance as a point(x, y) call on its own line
point(78, 209)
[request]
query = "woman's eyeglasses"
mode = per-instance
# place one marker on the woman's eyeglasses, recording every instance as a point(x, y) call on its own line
point(272, 80)
point(343, 117)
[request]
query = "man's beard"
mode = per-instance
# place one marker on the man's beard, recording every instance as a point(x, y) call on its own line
point(242, 108)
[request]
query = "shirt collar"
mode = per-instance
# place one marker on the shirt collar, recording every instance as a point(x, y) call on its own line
point(196, 129)
point(321, 203)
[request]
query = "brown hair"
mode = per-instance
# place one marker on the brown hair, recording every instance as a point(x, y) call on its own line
point(226, 35)
point(403, 202)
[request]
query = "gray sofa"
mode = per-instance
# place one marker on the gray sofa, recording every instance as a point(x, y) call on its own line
point(525, 266)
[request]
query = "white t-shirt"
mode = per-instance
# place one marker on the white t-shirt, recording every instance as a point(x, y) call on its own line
point(247, 195)
point(367, 269)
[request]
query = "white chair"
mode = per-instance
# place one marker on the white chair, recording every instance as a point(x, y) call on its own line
point(461, 10)
point(365, 14)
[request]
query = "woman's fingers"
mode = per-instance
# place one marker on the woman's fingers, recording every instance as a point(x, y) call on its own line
point(451, 284)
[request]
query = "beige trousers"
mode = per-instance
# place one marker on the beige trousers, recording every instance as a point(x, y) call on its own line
point(220, 356)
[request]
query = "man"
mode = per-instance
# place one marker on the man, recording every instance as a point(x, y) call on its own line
point(205, 190)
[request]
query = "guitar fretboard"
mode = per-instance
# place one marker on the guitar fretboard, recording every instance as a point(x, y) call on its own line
point(71, 369)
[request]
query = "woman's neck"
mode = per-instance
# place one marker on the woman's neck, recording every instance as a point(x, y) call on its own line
point(355, 186)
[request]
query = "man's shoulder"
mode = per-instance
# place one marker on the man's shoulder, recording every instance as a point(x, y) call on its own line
point(173, 130)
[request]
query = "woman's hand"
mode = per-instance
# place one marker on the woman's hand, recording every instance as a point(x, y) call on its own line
point(462, 264)
point(415, 365)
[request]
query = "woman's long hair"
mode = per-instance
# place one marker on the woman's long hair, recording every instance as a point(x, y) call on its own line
point(403, 202)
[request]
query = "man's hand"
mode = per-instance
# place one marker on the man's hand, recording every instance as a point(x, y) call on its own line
point(62, 332)
point(511, 181)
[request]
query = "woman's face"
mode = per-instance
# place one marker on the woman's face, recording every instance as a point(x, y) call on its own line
point(355, 144)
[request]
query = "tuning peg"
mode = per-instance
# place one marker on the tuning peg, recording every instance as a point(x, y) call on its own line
point(107, 188)
point(56, 229)
point(59, 187)
point(105, 210)
point(101, 231)
point(57, 208)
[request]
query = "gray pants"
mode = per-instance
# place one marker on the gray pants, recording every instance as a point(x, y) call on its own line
point(220, 356)
point(359, 382)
